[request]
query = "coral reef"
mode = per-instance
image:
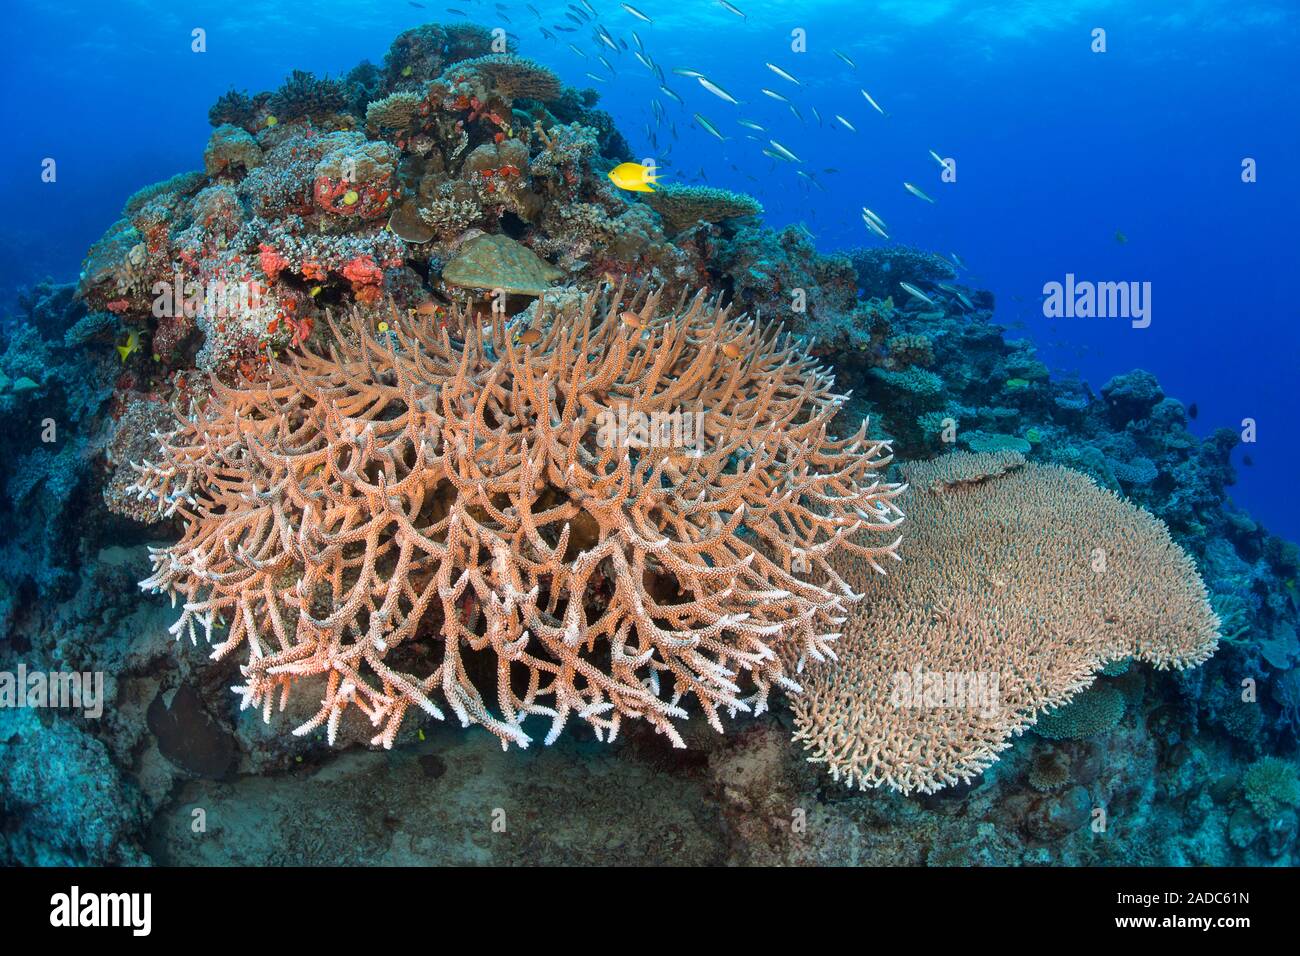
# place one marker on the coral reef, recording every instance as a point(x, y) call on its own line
point(324, 228)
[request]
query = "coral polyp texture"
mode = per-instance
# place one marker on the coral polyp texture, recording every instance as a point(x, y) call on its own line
point(1020, 582)
point(448, 511)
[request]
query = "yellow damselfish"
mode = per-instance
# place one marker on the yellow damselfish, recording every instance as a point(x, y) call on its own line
point(132, 345)
point(634, 177)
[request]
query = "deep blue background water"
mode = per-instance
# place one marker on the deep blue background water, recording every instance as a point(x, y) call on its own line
point(1057, 148)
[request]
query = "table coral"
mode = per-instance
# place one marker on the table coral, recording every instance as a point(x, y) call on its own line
point(683, 206)
point(513, 76)
point(1001, 583)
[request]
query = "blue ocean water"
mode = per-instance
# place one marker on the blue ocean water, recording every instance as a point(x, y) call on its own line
point(1116, 166)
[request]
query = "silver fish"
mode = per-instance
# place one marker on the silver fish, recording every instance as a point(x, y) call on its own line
point(709, 126)
point(875, 228)
point(736, 10)
point(958, 294)
point(845, 59)
point(577, 51)
point(846, 123)
point(917, 193)
point(671, 95)
point(873, 103)
point(717, 90)
point(635, 12)
point(938, 159)
point(775, 96)
point(782, 73)
point(868, 214)
point(751, 124)
point(913, 290)
point(681, 71)
point(784, 152)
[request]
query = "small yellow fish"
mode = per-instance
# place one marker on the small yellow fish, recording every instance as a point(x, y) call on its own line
point(315, 290)
point(633, 177)
point(132, 345)
point(271, 121)
point(406, 71)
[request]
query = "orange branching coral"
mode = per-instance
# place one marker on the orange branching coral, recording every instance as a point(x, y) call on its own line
point(413, 517)
point(1020, 582)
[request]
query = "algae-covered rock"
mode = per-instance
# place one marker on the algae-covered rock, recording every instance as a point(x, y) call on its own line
point(407, 224)
point(230, 149)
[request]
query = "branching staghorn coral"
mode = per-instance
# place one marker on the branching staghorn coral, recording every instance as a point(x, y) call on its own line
point(1020, 582)
point(412, 512)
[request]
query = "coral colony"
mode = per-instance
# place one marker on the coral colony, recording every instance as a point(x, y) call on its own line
point(430, 419)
